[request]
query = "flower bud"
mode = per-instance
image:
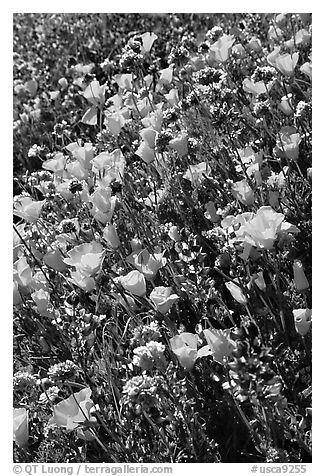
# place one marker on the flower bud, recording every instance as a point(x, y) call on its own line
point(302, 319)
point(45, 347)
point(281, 20)
point(174, 234)
point(299, 276)
point(111, 237)
point(236, 292)
point(184, 347)
point(211, 212)
point(254, 44)
point(285, 106)
point(63, 83)
point(309, 173)
point(136, 244)
point(54, 260)
point(238, 50)
point(259, 281)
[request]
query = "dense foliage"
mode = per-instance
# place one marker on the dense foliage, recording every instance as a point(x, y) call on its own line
point(162, 237)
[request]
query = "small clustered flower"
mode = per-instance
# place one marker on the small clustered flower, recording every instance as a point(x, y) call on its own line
point(264, 73)
point(142, 390)
point(67, 226)
point(63, 371)
point(303, 110)
point(146, 333)
point(208, 76)
point(34, 151)
point(150, 355)
point(50, 395)
point(23, 380)
point(214, 34)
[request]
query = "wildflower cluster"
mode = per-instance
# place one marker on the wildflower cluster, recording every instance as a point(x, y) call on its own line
point(162, 237)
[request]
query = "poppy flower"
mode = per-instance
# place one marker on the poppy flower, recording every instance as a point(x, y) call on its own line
point(134, 282)
point(22, 272)
point(254, 44)
point(17, 243)
point(172, 97)
point(196, 173)
point(20, 427)
point(306, 68)
point(288, 143)
point(184, 347)
point(43, 303)
point(106, 161)
point(124, 81)
point(75, 170)
point(220, 344)
point(103, 204)
point(180, 144)
point(286, 105)
point(149, 135)
point(84, 154)
point(147, 39)
point(86, 258)
point(154, 197)
point(163, 298)
point(166, 75)
point(63, 188)
point(31, 86)
point(28, 209)
point(258, 279)
point(147, 263)
point(154, 119)
point(86, 283)
point(243, 192)
point(56, 164)
point(95, 95)
point(114, 122)
point(264, 228)
point(146, 153)
point(271, 57)
point(286, 63)
point(302, 37)
point(254, 88)
point(221, 49)
point(73, 411)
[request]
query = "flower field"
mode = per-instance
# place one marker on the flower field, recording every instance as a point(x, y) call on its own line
point(162, 238)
